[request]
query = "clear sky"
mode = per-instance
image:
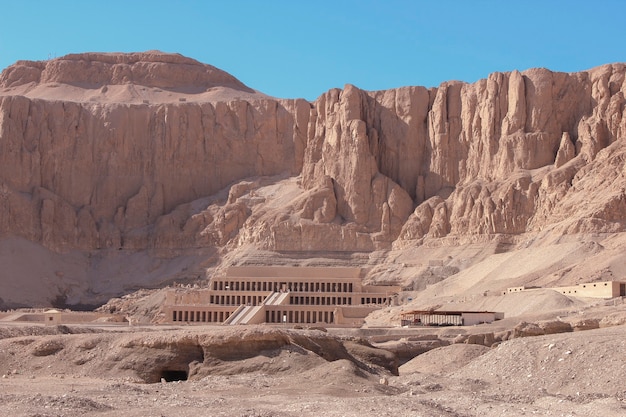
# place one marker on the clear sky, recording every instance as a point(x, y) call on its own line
point(302, 48)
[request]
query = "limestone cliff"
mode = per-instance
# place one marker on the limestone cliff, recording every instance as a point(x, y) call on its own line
point(158, 151)
point(97, 174)
point(516, 149)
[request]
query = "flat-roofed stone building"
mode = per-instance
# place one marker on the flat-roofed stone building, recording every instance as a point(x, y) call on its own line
point(448, 318)
point(295, 295)
point(52, 317)
point(602, 289)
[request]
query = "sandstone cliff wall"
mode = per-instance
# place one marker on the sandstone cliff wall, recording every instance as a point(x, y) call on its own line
point(505, 155)
point(513, 153)
point(92, 172)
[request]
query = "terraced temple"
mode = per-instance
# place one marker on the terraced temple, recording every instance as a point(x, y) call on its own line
point(307, 295)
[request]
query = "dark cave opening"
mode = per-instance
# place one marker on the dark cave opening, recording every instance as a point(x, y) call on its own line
point(170, 375)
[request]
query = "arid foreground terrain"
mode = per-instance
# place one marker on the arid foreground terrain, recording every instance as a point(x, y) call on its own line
point(567, 366)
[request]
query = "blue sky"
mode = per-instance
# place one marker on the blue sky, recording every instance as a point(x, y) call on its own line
point(298, 48)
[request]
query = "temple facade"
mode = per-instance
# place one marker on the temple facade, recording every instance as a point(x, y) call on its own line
point(294, 295)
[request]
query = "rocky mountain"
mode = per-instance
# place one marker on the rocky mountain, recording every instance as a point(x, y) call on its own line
point(164, 166)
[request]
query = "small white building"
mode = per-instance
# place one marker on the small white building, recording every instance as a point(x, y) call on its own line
point(52, 317)
point(603, 289)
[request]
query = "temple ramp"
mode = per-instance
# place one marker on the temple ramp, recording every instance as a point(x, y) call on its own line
point(247, 315)
point(277, 299)
point(235, 316)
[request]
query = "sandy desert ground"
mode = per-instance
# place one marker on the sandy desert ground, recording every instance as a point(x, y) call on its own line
point(551, 355)
point(85, 370)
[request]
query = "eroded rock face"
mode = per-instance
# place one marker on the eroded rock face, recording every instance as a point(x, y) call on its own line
point(152, 68)
point(101, 175)
point(511, 149)
point(197, 354)
point(152, 150)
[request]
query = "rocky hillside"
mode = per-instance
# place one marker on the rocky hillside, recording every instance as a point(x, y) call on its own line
point(158, 156)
